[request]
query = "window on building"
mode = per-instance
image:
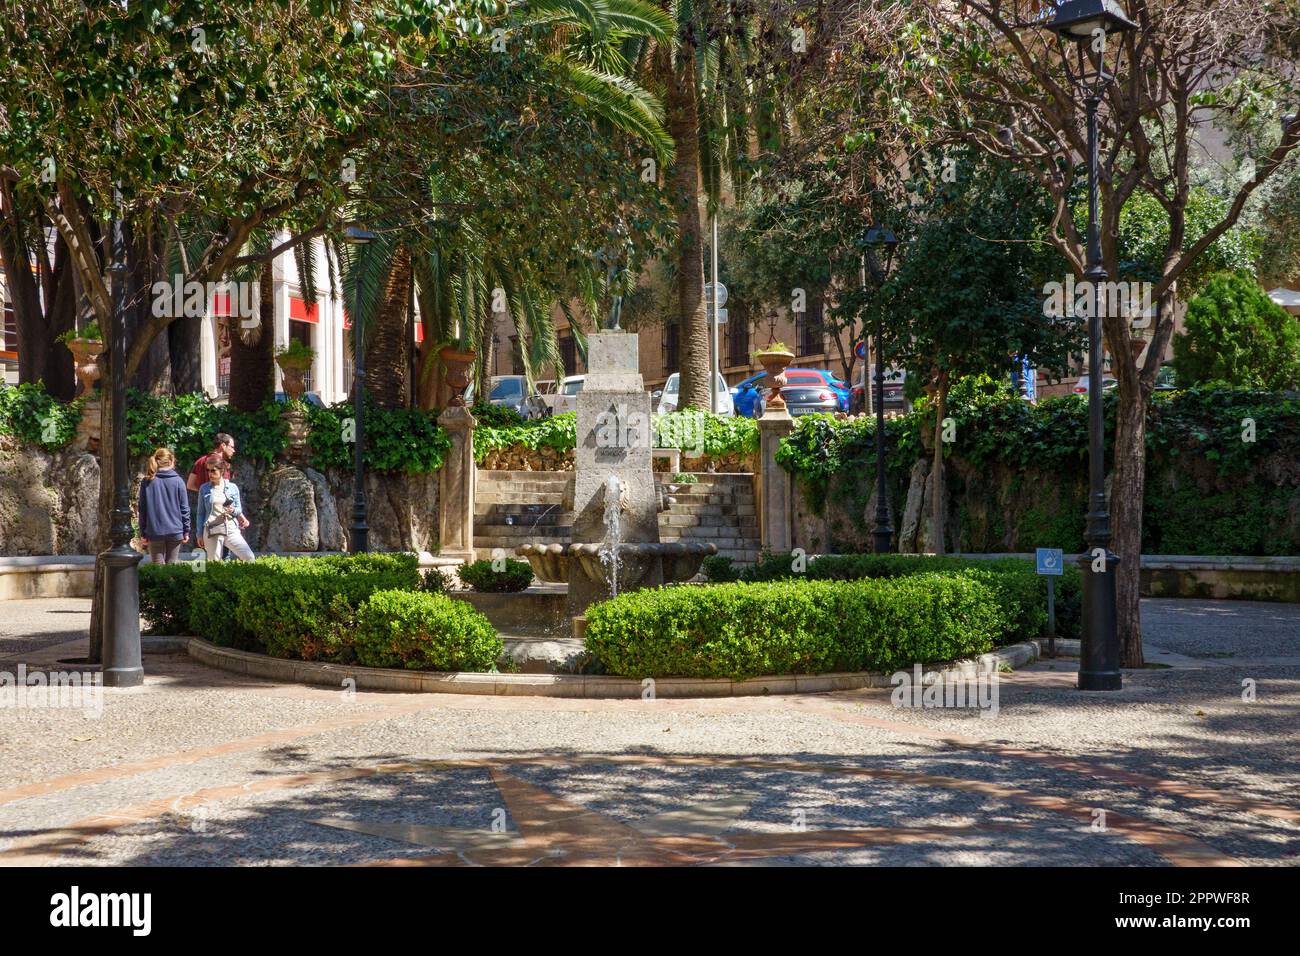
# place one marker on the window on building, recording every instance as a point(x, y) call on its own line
point(670, 347)
point(302, 331)
point(808, 330)
point(346, 352)
point(10, 328)
point(737, 342)
point(569, 354)
point(223, 356)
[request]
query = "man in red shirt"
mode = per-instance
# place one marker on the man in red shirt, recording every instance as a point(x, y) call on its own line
point(224, 445)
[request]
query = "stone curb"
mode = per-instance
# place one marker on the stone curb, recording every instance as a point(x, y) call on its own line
point(578, 685)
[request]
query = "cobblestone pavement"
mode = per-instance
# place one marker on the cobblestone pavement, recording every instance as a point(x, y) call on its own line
point(201, 767)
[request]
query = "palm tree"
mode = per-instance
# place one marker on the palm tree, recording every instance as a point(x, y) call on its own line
point(443, 267)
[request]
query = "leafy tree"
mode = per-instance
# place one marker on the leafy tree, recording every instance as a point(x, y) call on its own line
point(987, 72)
point(1235, 333)
point(964, 299)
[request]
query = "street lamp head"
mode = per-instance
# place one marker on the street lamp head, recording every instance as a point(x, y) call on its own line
point(882, 236)
point(1086, 25)
point(356, 236)
point(1079, 20)
point(1287, 122)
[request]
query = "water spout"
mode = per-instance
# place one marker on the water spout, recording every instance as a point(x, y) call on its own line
point(613, 530)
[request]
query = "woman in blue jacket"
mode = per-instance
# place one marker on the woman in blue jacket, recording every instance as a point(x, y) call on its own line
point(164, 509)
point(219, 510)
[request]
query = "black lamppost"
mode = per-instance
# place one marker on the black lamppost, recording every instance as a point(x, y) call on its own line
point(121, 614)
point(360, 537)
point(882, 534)
point(1086, 25)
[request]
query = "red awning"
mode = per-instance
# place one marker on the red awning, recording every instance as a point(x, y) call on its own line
point(299, 311)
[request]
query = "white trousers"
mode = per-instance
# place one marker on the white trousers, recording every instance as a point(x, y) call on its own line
point(216, 545)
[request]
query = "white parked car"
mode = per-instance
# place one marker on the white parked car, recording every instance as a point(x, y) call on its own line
point(548, 390)
point(665, 400)
point(567, 399)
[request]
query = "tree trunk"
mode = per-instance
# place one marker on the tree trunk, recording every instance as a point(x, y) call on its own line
point(1126, 491)
point(186, 354)
point(40, 358)
point(388, 348)
point(252, 352)
point(937, 509)
point(683, 125)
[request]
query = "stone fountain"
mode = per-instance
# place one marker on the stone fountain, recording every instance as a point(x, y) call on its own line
point(616, 505)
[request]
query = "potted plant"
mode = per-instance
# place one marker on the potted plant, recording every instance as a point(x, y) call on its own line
point(294, 360)
point(86, 346)
point(775, 357)
point(458, 358)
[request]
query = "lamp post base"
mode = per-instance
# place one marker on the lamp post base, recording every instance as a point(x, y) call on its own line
point(122, 663)
point(1099, 656)
point(359, 539)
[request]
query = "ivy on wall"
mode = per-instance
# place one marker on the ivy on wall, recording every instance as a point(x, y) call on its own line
point(1223, 468)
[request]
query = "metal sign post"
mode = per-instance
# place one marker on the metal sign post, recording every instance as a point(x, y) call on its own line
point(1051, 562)
point(715, 296)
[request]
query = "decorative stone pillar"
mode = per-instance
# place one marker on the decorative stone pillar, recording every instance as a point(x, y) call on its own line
point(775, 484)
point(88, 429)
point(456, 486)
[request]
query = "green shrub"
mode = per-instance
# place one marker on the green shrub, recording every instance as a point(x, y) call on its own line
point(422, 631)
point(187, 424)
point(793, 627)
point(558, 432)
point(307, 608)
point(481, 576)
point(719, 569)
point(1021, 592)
point(214, 600)
point(28, 412)
point(434, 581)
point(165, 597)
point(1235, 333)
point(397, 439)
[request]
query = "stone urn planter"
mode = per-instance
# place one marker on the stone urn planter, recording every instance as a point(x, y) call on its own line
point(85, 357)
point(775, 359)
point(294, 366)
point(458, 364)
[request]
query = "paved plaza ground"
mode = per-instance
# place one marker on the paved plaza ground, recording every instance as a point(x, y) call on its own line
point(205, 767)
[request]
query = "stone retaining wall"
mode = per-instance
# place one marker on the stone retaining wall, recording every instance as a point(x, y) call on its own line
point(49, 501)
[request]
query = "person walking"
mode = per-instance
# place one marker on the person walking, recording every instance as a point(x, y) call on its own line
point(164, 509)
point(223, 446)
point(220, 509)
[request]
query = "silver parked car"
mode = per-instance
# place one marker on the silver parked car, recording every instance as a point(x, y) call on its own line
point(511, 391)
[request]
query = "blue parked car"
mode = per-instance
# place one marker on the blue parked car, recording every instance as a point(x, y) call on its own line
point(812, 390)
point(750, 396)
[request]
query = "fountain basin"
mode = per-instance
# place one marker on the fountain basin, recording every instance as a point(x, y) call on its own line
point(639, 563)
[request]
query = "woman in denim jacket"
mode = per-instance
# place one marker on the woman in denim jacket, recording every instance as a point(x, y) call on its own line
point(219, 510)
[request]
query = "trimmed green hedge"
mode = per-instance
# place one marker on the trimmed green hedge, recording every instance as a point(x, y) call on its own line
point(308, 607)
point(482, 576)
point(320, 609)
point(739, 631)
point(1021, 591)
point(422, 631)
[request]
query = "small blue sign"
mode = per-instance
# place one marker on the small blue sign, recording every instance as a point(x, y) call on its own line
point(1050, 561)
point(860, 350)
